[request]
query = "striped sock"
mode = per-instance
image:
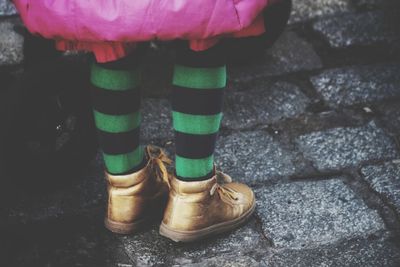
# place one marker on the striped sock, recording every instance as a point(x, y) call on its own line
point(199, 80)
point(116, 109)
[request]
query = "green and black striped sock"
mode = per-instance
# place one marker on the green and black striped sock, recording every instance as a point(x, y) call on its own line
point(116, 107)
point(199, 80)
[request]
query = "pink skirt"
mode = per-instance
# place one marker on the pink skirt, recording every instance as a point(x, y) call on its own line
point(110, 51)
point(111, 28)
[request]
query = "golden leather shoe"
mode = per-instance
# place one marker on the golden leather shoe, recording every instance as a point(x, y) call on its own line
point(198, 209)
point(137, 198)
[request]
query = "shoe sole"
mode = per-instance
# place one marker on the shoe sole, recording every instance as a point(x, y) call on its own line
point(125, 228)
point(190, 236)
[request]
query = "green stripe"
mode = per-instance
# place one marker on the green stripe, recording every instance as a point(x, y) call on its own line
point(199, 78)
point(114, 79)
point(117, 164)
point(193, 168)
point(117, 123)
point(196, 124)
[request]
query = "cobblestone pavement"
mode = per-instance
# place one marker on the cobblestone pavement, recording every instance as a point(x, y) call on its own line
point(313, 127)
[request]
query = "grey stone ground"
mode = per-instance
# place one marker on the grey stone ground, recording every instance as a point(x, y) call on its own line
point(313, 127)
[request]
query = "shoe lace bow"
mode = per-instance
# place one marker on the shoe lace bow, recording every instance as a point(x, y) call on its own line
point(220, 188)
point(159, 162)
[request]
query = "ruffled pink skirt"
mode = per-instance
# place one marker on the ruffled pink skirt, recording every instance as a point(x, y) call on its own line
point(112, 28)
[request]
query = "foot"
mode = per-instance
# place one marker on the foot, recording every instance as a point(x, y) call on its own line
point(138, 198)
point(198, 209)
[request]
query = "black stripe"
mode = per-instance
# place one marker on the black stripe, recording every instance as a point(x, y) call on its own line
point(212, 57)
point(197, 101)
point(129, 62)
point(114, 102)
point(119, 143)
point(195, 146)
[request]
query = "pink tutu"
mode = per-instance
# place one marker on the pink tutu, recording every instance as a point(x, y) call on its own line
point(110, 28)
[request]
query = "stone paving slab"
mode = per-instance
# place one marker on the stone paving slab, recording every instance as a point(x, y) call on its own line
point(7, 8)
point(304, 10)
point(358, 84)
point(11, 43)
point(339, 148)
point(385, 180)
point(364, 29)
point(231, 260)
point(312, 213)
point(289, 54)
point(263, 106)
point(157, 119)
point(360, 252)
point(390, 115)
point(373, 4)
point(149, 248)
point(253, 157)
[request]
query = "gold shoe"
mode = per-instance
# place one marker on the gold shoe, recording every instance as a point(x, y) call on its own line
point(137, 198)
point(198, 209)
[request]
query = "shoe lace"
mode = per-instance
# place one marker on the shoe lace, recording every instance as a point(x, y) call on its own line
point(221, 189)
point(159, 161)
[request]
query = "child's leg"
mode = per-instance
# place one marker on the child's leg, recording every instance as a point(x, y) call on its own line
point(198, 206)
point(116, 108)
point(199, 80)
point(136, 176)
